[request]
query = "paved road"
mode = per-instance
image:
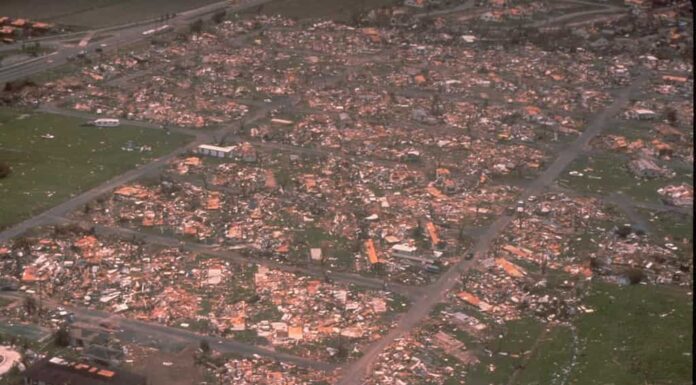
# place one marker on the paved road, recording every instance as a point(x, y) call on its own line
point(354, 373)
point(148, 334)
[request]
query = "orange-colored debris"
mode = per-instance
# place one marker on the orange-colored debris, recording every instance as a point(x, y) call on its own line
point(676, 79)
point(435, 192)
point(371, 252)
point(313, 286)
point(432, 232)
point(578, 270)
point(235, 231)
point(213, 201)
point(193, 161)
point(132, 191)
point(271, 183)
point(295, 332)
point(309, 182)
point(87, 242)
point(473, 300)
point(283, 248)
point(518, 251)
point(532, 111)
point(510, 268)
point(31, 274)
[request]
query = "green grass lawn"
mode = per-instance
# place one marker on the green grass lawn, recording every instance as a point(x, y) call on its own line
point(637, 335)
point(607, 173)
point(670, 224)
point(47, 171)
point(517, 337)
point(550, 361)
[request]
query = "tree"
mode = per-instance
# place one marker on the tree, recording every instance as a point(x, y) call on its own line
point(461, 233)
point(341, 350)
point(623, 231)
point(19, 267)
point(283, 179)
point(5, 170)
point(196, 26)
point(204, 346)
point(635, 276)
point(595, 263)
point(671, 115)
point(23, 243)
point(30, 305)
point(61, 337)
point(219, 16)
point(418, 231)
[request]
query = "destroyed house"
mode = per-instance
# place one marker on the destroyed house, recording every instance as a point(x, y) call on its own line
point(248, 153)
point(434, 237)
point(7, 31)
point(371, 252)
point(409, 254)
point(58, 371)
point(215, 151)
point(641, 114)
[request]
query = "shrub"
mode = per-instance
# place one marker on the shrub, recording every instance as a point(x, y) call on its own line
point(219, 16)
point(635, 276)
point(61, 337)
point(197, 26)
point(5, 170)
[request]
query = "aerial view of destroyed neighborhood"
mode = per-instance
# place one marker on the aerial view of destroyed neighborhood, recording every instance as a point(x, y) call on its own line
point(346, 192)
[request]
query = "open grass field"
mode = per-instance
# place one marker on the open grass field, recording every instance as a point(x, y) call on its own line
point(607, 173)
point(95, 13)
point(636, 335)
point(54, 157)
point(507, 353)
point(676, 226)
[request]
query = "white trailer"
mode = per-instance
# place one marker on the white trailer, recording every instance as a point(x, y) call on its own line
point(107, 122)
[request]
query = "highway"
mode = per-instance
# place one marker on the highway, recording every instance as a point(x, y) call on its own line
point(116, 37)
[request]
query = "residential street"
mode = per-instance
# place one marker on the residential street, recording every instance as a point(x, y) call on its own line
point(354, 373)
